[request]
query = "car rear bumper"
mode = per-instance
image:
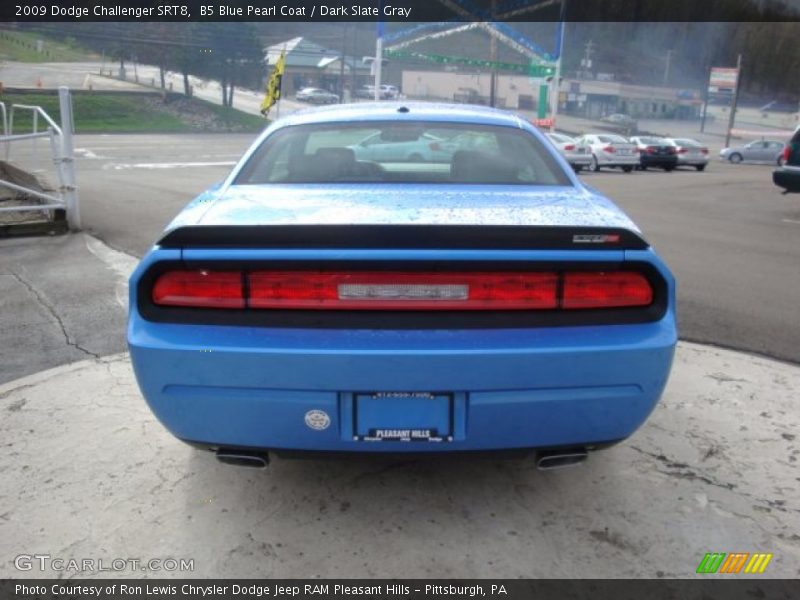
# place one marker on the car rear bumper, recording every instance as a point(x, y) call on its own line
point(580, 160)
point(618, 161)
point(787, 178)
point(534, 388)
point(692, 160)
point(658, 161)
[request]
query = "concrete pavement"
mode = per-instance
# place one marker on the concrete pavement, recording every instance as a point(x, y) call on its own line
point(88, 472)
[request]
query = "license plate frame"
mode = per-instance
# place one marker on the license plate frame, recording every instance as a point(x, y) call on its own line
point(403, 417)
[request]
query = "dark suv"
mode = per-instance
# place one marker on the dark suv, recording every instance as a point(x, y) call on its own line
point(788, 175)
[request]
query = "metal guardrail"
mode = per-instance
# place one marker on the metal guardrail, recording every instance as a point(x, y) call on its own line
point(62, 154)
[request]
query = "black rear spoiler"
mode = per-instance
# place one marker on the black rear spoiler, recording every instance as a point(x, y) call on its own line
point(489, 237)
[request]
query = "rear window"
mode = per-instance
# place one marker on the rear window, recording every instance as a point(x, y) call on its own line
point(393, 152)
point(612, 139)
point(691, 143)
point(651, 141)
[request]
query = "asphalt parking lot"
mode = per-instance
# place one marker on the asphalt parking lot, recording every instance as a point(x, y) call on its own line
point(89, 472)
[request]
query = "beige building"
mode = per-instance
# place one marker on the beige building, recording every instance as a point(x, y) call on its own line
point(590, 98)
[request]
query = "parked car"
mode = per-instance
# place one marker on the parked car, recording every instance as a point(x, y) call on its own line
point(389, 92)
point(316, 96)
point(787, 176)
point(378, 146)
point(316, 302)
point(691, 153)
point(621, 122)
point(655, 152)
point(761, 151)
point(366, 91)
point(575, 153)
point(608, 150)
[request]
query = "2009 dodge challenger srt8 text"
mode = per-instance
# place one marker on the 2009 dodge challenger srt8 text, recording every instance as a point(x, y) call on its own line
point(402, 277)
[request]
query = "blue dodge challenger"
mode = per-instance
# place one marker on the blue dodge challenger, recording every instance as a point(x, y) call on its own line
point(456, 289)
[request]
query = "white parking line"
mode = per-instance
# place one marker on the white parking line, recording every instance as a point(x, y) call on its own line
point(791, 221)
point(169, 165)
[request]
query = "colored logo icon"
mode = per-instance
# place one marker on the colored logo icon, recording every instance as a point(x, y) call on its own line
point(734, 563)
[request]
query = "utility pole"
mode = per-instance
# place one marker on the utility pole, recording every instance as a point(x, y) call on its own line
point(554, 96)
point(493, 58)
point(586, 61)
point(705, 102)
point(341, 62)
point(735, 100)
point(666, 68)
point(378, 60)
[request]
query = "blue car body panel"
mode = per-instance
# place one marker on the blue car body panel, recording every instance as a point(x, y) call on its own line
point(534, 387)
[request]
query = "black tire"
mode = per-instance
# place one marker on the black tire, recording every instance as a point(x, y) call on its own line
point(577, 168)
point(627, 169)
point(594, 166)
point(700, 167)
point(642, 167)
point(735, 158)
point(668, 169)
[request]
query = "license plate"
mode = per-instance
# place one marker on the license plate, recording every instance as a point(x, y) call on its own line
point(404, 435)
point(403, 417)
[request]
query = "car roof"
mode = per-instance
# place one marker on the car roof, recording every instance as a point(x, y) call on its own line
point(403, 111)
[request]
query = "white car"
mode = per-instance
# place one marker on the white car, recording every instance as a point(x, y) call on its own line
point(576, 154)
point(609, 150)
point(389, 92)
point(691, 153)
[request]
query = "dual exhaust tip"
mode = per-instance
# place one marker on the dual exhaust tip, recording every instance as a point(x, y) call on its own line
point(545, 461)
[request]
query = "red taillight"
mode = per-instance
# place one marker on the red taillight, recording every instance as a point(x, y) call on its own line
point(569, 147)
point(786, 152)
point(704, 150)
point(683, 150)
point(208, 289)
point(605, 290)
point(376, 290)
point(404, 290)
point(609, 149)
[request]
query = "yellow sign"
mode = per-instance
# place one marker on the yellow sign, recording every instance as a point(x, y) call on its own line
point(273, 92)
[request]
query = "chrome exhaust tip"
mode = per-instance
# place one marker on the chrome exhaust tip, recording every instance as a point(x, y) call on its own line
point(547, 461)
point(243, 459)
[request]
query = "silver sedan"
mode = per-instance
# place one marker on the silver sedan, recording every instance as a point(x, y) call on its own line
point(691, 153)
point(761, 151)
point(576, 153)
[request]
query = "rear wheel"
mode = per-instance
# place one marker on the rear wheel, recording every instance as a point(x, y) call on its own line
point(735, 158)
point(577, 168)
point(627, 169)
point(700, 167)
point(668, 169)
point(594, 166)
